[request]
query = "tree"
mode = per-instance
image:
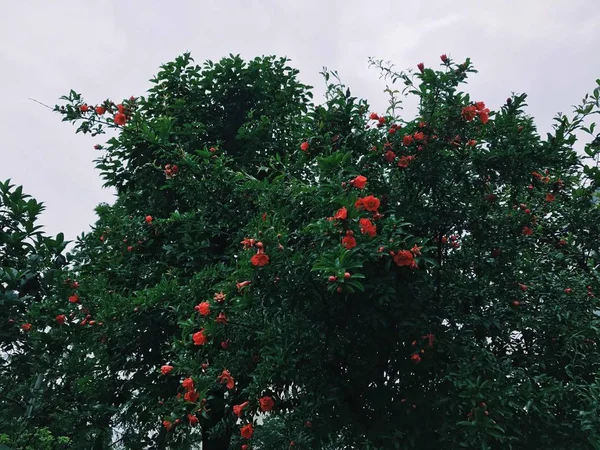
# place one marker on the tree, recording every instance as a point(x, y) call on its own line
point(279, 274)
point(31, 265)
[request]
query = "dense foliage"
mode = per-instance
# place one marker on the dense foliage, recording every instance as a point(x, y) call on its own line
point(30, 275)
point(277, 274)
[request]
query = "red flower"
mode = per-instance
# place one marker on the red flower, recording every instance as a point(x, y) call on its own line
point(469, 112)
point(523, 286)
point(148, 219)
point(527, 231)
point(74, 298)
point(415, 358)
point(484, 116)
point(241, 285)
point(237, 409)
point(407, 140)
point(341, 214)
point(416, 251)
point(193, 420)
point(203, 308)
point(168, 425)
point(419, 136)
point(349, 242)
point(61, 319)
point(166, 369)
point(191, 396)
point(221, 318)
point(188, 384)
point(226, 379)
point(421, 67)
point(266, 403)
point(369, 203)
point(381, 121)
point(430, 339)
point(471, 143)
point(26, 327)
point(404, 161)
point(100, 110)
point(403, 258)
point(247, 431)
point(225, 344)
point(259, 259)
point(367, 227)
point(219, 297)
point(389, 156)
point(248, 243)
point(373, 116)
point(483, 112)
point(120, 119)
point(568, 290)
point(359, 182)
point(84, 108)
point(444, 58)
point(550, 197)
point(199, 338)
point(304, 146)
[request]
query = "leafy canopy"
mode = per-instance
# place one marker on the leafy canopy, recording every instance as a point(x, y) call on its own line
point(277, 274)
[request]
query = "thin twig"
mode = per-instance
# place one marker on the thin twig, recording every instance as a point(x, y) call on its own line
point(40, 103)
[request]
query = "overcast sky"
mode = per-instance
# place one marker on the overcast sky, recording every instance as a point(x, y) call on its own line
point(547, 48)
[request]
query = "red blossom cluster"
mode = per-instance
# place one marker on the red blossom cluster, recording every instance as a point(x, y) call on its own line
point(367, 227)
point(260, 258)
point(121, 112)
point(478, 109)
point(171, 170)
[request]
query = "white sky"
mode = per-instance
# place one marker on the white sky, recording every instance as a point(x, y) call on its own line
point(547, 48)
